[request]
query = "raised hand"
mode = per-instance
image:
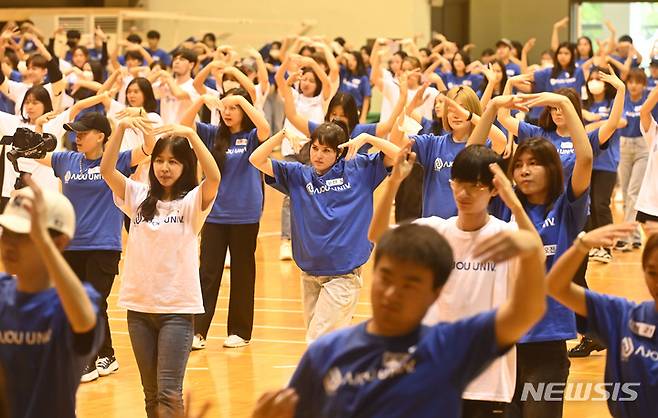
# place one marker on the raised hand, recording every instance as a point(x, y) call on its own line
point(213, 102)
point(36, 206)
point(507, 245)
point(138, 123)
point(46, 117)
point(561, 23)
point(608, 235)
point(174, 130)
point(510, 102)
point(354, 145)
point(612, 79)
point(404, 163)
point(520, 80)
point(503, 186)
point(530, 43)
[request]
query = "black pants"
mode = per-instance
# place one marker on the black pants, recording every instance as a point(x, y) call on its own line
point(241, 241)
point(483, 409)
point(409, 198)
point(537, 364)
point(98, 268)
point(603, 183)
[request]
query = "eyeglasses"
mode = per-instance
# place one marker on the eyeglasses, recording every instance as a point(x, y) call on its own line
point(469, 188)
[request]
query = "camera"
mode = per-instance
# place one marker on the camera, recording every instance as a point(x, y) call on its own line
point(27, 144)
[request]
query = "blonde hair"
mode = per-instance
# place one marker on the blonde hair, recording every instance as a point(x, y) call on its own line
point(467, 98)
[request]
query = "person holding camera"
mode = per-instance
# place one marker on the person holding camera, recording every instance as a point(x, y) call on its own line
point(49, 324)
point(95, 250)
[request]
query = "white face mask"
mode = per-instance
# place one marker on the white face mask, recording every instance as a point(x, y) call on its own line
point(596, 86)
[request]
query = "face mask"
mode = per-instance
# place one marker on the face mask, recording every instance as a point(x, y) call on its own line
point(596, 86)
point(230, 84)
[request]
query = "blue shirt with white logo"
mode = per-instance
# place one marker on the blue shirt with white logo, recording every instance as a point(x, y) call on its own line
point(632, 116)
point(436, 154)
point(42, 358)
point(563, 144)
point(330, 213)
point(608, 158)
point(98, 221)
point(352, 373)
point(629, 331)
point(451, 80)
point(240, 196)
point(512, 69)
point(558, 225)
point(545, 82)
point(356, 85)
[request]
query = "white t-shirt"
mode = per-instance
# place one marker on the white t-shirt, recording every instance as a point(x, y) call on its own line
point(17, 90)
point(647, 198)
point(391, 94)
point(310, 108)
point(474, 287)
point(171, 108)
point(161, 271)
point(43, 175)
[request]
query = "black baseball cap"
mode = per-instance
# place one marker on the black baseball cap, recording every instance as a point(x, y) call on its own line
point(89, 121)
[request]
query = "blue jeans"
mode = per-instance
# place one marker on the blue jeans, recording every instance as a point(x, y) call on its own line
point(161, 343)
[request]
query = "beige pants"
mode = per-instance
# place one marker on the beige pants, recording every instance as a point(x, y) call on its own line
point(329, 302)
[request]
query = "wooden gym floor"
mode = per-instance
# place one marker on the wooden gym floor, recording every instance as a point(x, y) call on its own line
point(233, 379)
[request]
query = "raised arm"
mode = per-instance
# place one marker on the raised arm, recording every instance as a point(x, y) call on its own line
point(555, 36)
point(262, 127)
point(609, 126)
point(527, 47)
point(211, 176)
point(353, 146)
point(175, 89)
point(260, 158)
point(200, 79)
point(484, 127)
point(559, 278)
point(504, 115)
point(527, 302)
point(375, 63)
point(324, 79)
point(383, 128)
point(334, 69)
point(298, 121)
point(77, 306)
point(647, 108)
point(263, 76)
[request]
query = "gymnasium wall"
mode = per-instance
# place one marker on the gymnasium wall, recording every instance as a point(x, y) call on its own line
point(515, 19)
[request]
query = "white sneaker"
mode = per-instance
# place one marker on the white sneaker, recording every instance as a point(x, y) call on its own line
point(227, 260)
point(602, 256)
point(592, 252)
point(285, 250)
point(107, 365)
point(89, 374)
point(235, 341)
point(198, 343)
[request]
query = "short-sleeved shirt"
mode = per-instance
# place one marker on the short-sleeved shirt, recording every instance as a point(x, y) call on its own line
point(632, 116)
point(544, 80)
point(357, 86)
point(563, 144)
point(360, 128)
point(352, 373)
point(471, 80)
point(629, 332)
point(41, 356)
point(330, 213)
point(608, 158)
point(558, 225)
point(161, 270)
point(240, 196)
point(98, 221)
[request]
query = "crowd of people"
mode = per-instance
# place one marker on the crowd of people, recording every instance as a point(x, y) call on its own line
point(501, 174)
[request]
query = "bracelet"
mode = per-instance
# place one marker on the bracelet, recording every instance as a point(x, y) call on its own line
point(145, 153)
point(470, 116)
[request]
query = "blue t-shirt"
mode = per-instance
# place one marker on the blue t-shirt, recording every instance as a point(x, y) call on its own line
point(352, 373)
point(240, 196)
point(471, 80)
point(357, 86)
point(563, 144)
point(608, 158)
point(160, 55)
point(545, 82)
point(558, 226)
point(628, 330)
point(512, 69)
point(436, 154)
point(368, 128)
point(651, 84)
point(41, 356)
point(428, 126)
point(330, 214)
point(634, 62)
point(632, 116)
point(98, 221)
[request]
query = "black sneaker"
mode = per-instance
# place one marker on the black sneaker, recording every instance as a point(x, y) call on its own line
point(90, 373)
point(585, 348)
point(637, 245)
point(107, 365)
point(622, 246)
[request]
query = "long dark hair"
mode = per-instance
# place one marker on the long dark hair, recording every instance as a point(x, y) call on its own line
point(181, 150)
point(318, 83)
point(546, 120)
point(360, 66)
point(546, 155)
point(589, 41)
point(150, 104)
point(347, 102)
point(571, 66)
point(223, 137)
point(465, 58)
point(40, 94)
